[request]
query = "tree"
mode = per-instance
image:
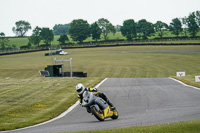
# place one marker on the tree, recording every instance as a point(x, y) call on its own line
point(21, 28)
point(145, 28)
point(184, 22)
point(47, 35)
point(35, 38)
point(160, 28)
point(60, 29)
point(79, 30)
point(129, 29)
point(192, 24)
point(176, 26)
point(95, 31)
point(106, 27)
point(3, 40)
point(198, 17)
point(63, 38)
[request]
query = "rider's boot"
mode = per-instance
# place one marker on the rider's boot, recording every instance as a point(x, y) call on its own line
point(102, 95)
point(111, 105)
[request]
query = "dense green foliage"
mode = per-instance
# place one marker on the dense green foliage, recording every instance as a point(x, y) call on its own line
point(129, 29)
point(60, 29)
point(95, 31)
point(3, 41)
point(176, 26)
point(35, 38)
point(63, 38)
point(145, 28)
point(192, 24)
point(79, 30)
point(47, 35)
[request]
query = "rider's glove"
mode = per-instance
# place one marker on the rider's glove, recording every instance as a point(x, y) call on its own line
point(91, 89)
point(95, 89)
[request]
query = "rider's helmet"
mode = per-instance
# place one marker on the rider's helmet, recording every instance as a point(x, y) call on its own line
point(80, 88)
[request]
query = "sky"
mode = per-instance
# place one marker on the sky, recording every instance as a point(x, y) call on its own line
point(47, 13)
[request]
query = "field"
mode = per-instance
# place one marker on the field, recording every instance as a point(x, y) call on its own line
point(27, 98)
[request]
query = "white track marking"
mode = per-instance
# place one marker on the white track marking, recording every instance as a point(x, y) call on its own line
point(97, 86)
point(185, 84)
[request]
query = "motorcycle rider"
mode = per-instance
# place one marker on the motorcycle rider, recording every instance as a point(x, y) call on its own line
point(81, 89)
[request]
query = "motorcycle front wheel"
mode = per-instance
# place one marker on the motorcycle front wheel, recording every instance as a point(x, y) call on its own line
point(115, 114)
point(97, 114)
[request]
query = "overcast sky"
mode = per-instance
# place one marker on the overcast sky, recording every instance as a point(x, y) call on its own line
point(47, 13)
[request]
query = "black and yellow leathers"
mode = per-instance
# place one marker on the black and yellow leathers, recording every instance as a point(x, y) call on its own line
point(98, 93)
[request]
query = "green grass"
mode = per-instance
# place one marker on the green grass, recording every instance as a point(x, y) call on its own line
point(18, 42)
point(189, 79)
point(135, 61)
point(181, 127)
point(131, 61)
point(26, 98)
point(25, 102)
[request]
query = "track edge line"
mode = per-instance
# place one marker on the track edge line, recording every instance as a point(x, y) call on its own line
point(185, 84)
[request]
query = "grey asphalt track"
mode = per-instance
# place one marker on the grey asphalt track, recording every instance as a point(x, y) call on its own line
point(140, 101)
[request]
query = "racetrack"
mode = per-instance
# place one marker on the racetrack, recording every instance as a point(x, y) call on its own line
point(140, 101)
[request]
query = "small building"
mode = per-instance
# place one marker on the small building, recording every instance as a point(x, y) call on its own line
point(55, 70)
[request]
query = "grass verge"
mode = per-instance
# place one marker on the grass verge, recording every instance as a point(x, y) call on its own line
point(189, 79)
point(181, 127)
point(25, 102)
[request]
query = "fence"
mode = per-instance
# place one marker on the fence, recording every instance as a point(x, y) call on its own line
point(106, 43)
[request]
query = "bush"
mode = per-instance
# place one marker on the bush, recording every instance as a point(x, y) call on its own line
point(113, 40)
point(183, 37)
point(24, 47)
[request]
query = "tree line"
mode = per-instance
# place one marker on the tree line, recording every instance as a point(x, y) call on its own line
point(79, 30)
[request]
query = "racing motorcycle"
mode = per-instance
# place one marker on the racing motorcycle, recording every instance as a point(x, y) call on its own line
point(98, 107)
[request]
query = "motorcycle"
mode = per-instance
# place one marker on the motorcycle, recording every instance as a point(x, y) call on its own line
point(98, 107)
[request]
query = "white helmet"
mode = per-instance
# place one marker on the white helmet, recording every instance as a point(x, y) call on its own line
point(80, 88)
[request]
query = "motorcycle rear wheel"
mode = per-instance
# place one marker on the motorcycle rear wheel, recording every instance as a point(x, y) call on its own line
point(97, 114)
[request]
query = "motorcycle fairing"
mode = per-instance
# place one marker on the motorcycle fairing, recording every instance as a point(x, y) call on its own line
point(108, 112)
point(102, 104)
